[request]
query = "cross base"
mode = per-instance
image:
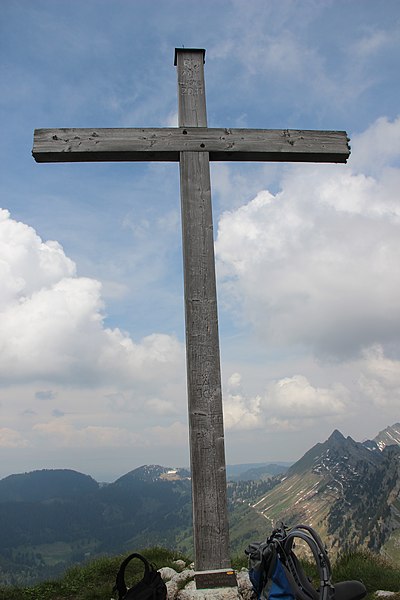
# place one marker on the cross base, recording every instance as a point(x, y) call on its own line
point(218, 578)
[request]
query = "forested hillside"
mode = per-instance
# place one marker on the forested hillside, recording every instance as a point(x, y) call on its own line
point(347, 490)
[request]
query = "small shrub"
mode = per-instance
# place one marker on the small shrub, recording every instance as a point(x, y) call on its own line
point(375, 572)
point(239, 562)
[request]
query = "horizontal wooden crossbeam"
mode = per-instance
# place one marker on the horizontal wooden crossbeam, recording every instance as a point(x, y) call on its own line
point(165, 144)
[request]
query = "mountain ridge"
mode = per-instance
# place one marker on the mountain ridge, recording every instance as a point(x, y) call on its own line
point(330, 489)
point(390, 436)
point(39, 485)
point(347, 490)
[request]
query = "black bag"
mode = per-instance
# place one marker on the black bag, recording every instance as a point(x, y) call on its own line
point(150, 587)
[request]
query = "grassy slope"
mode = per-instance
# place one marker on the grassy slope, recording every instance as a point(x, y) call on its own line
point(392, 547)
point(94, 581)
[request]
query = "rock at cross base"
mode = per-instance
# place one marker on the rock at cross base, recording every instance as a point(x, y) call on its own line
point(177, 590)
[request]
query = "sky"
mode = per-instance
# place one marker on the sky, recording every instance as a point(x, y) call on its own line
point(92, 356)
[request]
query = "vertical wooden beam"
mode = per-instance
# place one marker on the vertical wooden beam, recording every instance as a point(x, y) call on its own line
point(207, 448)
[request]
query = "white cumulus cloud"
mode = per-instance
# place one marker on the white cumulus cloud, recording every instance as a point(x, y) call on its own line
point(316, 265)
point(380, 377)
point(52, 322)
point(10, 438)
point(289, 403)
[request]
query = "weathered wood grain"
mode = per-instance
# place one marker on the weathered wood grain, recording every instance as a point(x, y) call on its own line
point(152, 144)
point(207, 449)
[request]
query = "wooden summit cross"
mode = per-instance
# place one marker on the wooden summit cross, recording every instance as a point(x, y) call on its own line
point(193, 145)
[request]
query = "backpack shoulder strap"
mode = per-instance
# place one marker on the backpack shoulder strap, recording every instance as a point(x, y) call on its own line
point(317, 539)
point(320, 556)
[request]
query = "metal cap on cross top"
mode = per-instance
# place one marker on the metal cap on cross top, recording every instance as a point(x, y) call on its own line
point(188, 50)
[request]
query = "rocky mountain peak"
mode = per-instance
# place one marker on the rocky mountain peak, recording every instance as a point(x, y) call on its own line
point(341, 488)
point(336, 437)
point(388, 437)
point(152, 473)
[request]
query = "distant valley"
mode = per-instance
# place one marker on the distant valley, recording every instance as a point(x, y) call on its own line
point(347, 490)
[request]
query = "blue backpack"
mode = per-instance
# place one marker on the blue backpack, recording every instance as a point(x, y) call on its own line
point(276, 572)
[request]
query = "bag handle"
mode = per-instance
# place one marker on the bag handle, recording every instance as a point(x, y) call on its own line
point(312, 538)
point(120, 584)
point(321, 558)
point(316, 537)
